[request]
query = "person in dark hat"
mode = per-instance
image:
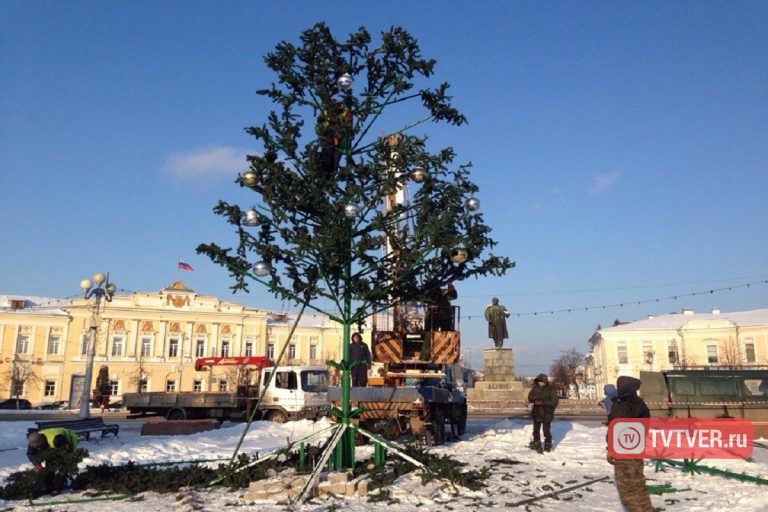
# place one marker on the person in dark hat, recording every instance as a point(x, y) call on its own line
point(630, 480)
point(358, 351)
point(43, 446)
point(544, 400)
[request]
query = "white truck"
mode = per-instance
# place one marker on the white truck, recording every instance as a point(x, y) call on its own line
point(296, 392)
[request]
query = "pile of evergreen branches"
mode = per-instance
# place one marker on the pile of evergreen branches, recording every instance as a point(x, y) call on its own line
point(29, 484)
point(438, 467)
point(133, 478)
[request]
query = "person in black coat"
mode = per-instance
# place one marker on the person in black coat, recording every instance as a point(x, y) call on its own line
point(544, 400)
point(358, 351)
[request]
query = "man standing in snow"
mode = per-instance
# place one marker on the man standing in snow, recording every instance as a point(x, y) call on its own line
point(630, 480)
point(544, 400)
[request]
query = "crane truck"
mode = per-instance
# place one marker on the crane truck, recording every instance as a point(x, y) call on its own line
point(417, 390)
point(296, 392)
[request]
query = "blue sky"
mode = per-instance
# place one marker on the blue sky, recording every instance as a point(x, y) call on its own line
point(620, 147)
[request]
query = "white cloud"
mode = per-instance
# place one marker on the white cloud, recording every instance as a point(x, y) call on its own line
point(603, 182)
point(211, 162)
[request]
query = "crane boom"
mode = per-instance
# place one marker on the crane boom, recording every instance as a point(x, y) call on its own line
point(202, 363)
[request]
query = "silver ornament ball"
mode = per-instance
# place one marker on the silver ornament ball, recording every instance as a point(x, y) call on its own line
point(345, 82)
point(250, 218)
point(472, 204)
point(261, 268)
point(351, 211)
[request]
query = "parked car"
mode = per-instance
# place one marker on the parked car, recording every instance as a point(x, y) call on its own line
point(15, 403)
point(55, 406)
point(116, 406)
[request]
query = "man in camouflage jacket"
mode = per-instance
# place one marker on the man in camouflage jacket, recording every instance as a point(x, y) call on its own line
point(630, 480)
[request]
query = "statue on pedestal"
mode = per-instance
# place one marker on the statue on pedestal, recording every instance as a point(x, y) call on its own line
point(496, 314)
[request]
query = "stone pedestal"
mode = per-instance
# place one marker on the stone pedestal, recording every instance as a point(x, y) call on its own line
point(499, 391)
point(498, 364)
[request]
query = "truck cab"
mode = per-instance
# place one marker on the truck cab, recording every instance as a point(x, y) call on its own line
point(296, 392)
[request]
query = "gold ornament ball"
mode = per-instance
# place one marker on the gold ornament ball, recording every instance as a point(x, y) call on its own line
point(418, 175)
point(250, 178)
point(459, 255)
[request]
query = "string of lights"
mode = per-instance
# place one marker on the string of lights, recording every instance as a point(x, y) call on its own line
point(627, 303)
point(54, 302)
point(619, 288)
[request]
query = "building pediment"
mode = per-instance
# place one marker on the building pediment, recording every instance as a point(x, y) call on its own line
point(177, 287)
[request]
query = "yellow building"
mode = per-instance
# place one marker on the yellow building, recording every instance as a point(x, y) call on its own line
point(687, 340)
point(148, 341)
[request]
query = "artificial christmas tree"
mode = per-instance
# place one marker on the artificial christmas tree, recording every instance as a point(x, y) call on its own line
point(332, 219)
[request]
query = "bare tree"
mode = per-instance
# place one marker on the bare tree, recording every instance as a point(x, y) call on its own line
point(733, 359)
point(21, 374)
point(138, 375)
point(568, 369)
point(682, 361)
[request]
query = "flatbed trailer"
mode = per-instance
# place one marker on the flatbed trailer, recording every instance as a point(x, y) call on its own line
point(296, 392)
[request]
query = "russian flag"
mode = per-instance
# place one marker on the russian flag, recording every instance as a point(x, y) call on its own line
point(185, 266)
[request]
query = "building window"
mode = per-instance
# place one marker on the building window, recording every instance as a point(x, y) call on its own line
point(173, 348)
point(271, 350)
point(648, 352)
point(84, 344)
point(712, 354)
point(200, 348)
point(50, 388)
point(225, 348)
point(114, 387)
point(197, 385)
point(292, 351)
point(672, 352)
point(22, 344)
point(248, 348)
point(170, 386)
point(146, 347)
point(749, 352)
point(312, 352)
point(54, 341)
point(622, 353)
point(143, 386)
point(117, 346)
point(223, 385)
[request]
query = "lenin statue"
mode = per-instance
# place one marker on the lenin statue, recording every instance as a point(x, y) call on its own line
point(496, 315)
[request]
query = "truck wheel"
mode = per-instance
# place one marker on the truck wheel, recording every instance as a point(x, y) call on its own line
point(176, 414)
point(277, 416)
point(438, 425)
point(459, 423)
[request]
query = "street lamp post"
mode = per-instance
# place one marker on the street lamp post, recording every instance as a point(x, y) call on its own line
point(99, 289)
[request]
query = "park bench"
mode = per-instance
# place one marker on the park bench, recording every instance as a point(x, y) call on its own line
point(82, 427)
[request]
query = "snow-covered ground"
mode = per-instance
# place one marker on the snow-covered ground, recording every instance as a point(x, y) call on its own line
point(578, 456)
